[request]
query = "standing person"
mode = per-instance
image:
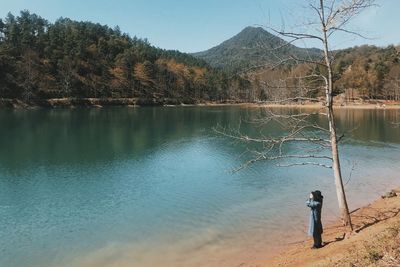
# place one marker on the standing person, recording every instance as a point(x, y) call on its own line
point(315, 229)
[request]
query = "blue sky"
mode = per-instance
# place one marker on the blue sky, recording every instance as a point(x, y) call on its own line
point(191, 26)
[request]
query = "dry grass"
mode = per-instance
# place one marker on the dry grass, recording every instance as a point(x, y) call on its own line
point(383, 249)
point(375, 241)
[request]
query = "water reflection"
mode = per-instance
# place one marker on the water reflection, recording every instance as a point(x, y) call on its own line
point(57, 136)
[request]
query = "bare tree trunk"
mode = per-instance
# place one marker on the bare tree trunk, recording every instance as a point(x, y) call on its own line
point(343, 207)
point(341, 195)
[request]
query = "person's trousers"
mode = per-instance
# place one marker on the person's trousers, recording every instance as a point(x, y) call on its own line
point(317, 240)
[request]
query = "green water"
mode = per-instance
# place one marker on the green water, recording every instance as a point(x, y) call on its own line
point(153, 187)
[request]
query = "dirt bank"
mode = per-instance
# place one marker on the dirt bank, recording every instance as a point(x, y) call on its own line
point(130, 102)
point(86, 102)
point(374, 242)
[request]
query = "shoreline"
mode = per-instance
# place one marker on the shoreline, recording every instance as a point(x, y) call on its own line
point(375, 239)
point(6, 103)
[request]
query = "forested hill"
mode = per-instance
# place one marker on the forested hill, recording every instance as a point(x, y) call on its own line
point(71, 59)
point(364, 72)
point(253, 46)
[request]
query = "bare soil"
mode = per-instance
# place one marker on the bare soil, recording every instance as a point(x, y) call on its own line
point(131, 102)
point(375, 240)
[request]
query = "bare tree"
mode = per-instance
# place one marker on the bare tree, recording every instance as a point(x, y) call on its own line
point(332, 16)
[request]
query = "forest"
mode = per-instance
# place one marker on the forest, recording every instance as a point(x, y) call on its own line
point(360, 73)
point(79, 60)
point(71, 59)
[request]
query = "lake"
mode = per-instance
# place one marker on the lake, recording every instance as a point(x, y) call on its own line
point(154, 186)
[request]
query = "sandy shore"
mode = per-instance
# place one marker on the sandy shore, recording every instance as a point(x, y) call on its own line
point(375, 240)
point(351, 105)
point(135, 102)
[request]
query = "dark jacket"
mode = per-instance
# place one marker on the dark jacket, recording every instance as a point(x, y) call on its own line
point(315, 226)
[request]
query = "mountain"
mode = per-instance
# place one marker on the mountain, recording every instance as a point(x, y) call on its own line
point(253, 46)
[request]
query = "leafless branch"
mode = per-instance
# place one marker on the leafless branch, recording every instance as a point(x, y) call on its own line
point(305, 163)
point(277, 140)
point(334, 29)
point(351, 173)
point(293, 99)
point(294, 35)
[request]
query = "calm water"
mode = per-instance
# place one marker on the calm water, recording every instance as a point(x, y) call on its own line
point(153, 187)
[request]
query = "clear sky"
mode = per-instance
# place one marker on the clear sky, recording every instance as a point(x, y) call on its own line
point(196, 25)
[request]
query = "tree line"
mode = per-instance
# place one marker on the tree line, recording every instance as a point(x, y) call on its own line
point(359, 73)
point(72, 59)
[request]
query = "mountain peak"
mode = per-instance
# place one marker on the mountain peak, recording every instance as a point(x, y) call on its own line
point(251, 46)
point(254, 30)
point(253, 37)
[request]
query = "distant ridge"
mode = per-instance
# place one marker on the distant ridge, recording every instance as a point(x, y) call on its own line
point(251, 47)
